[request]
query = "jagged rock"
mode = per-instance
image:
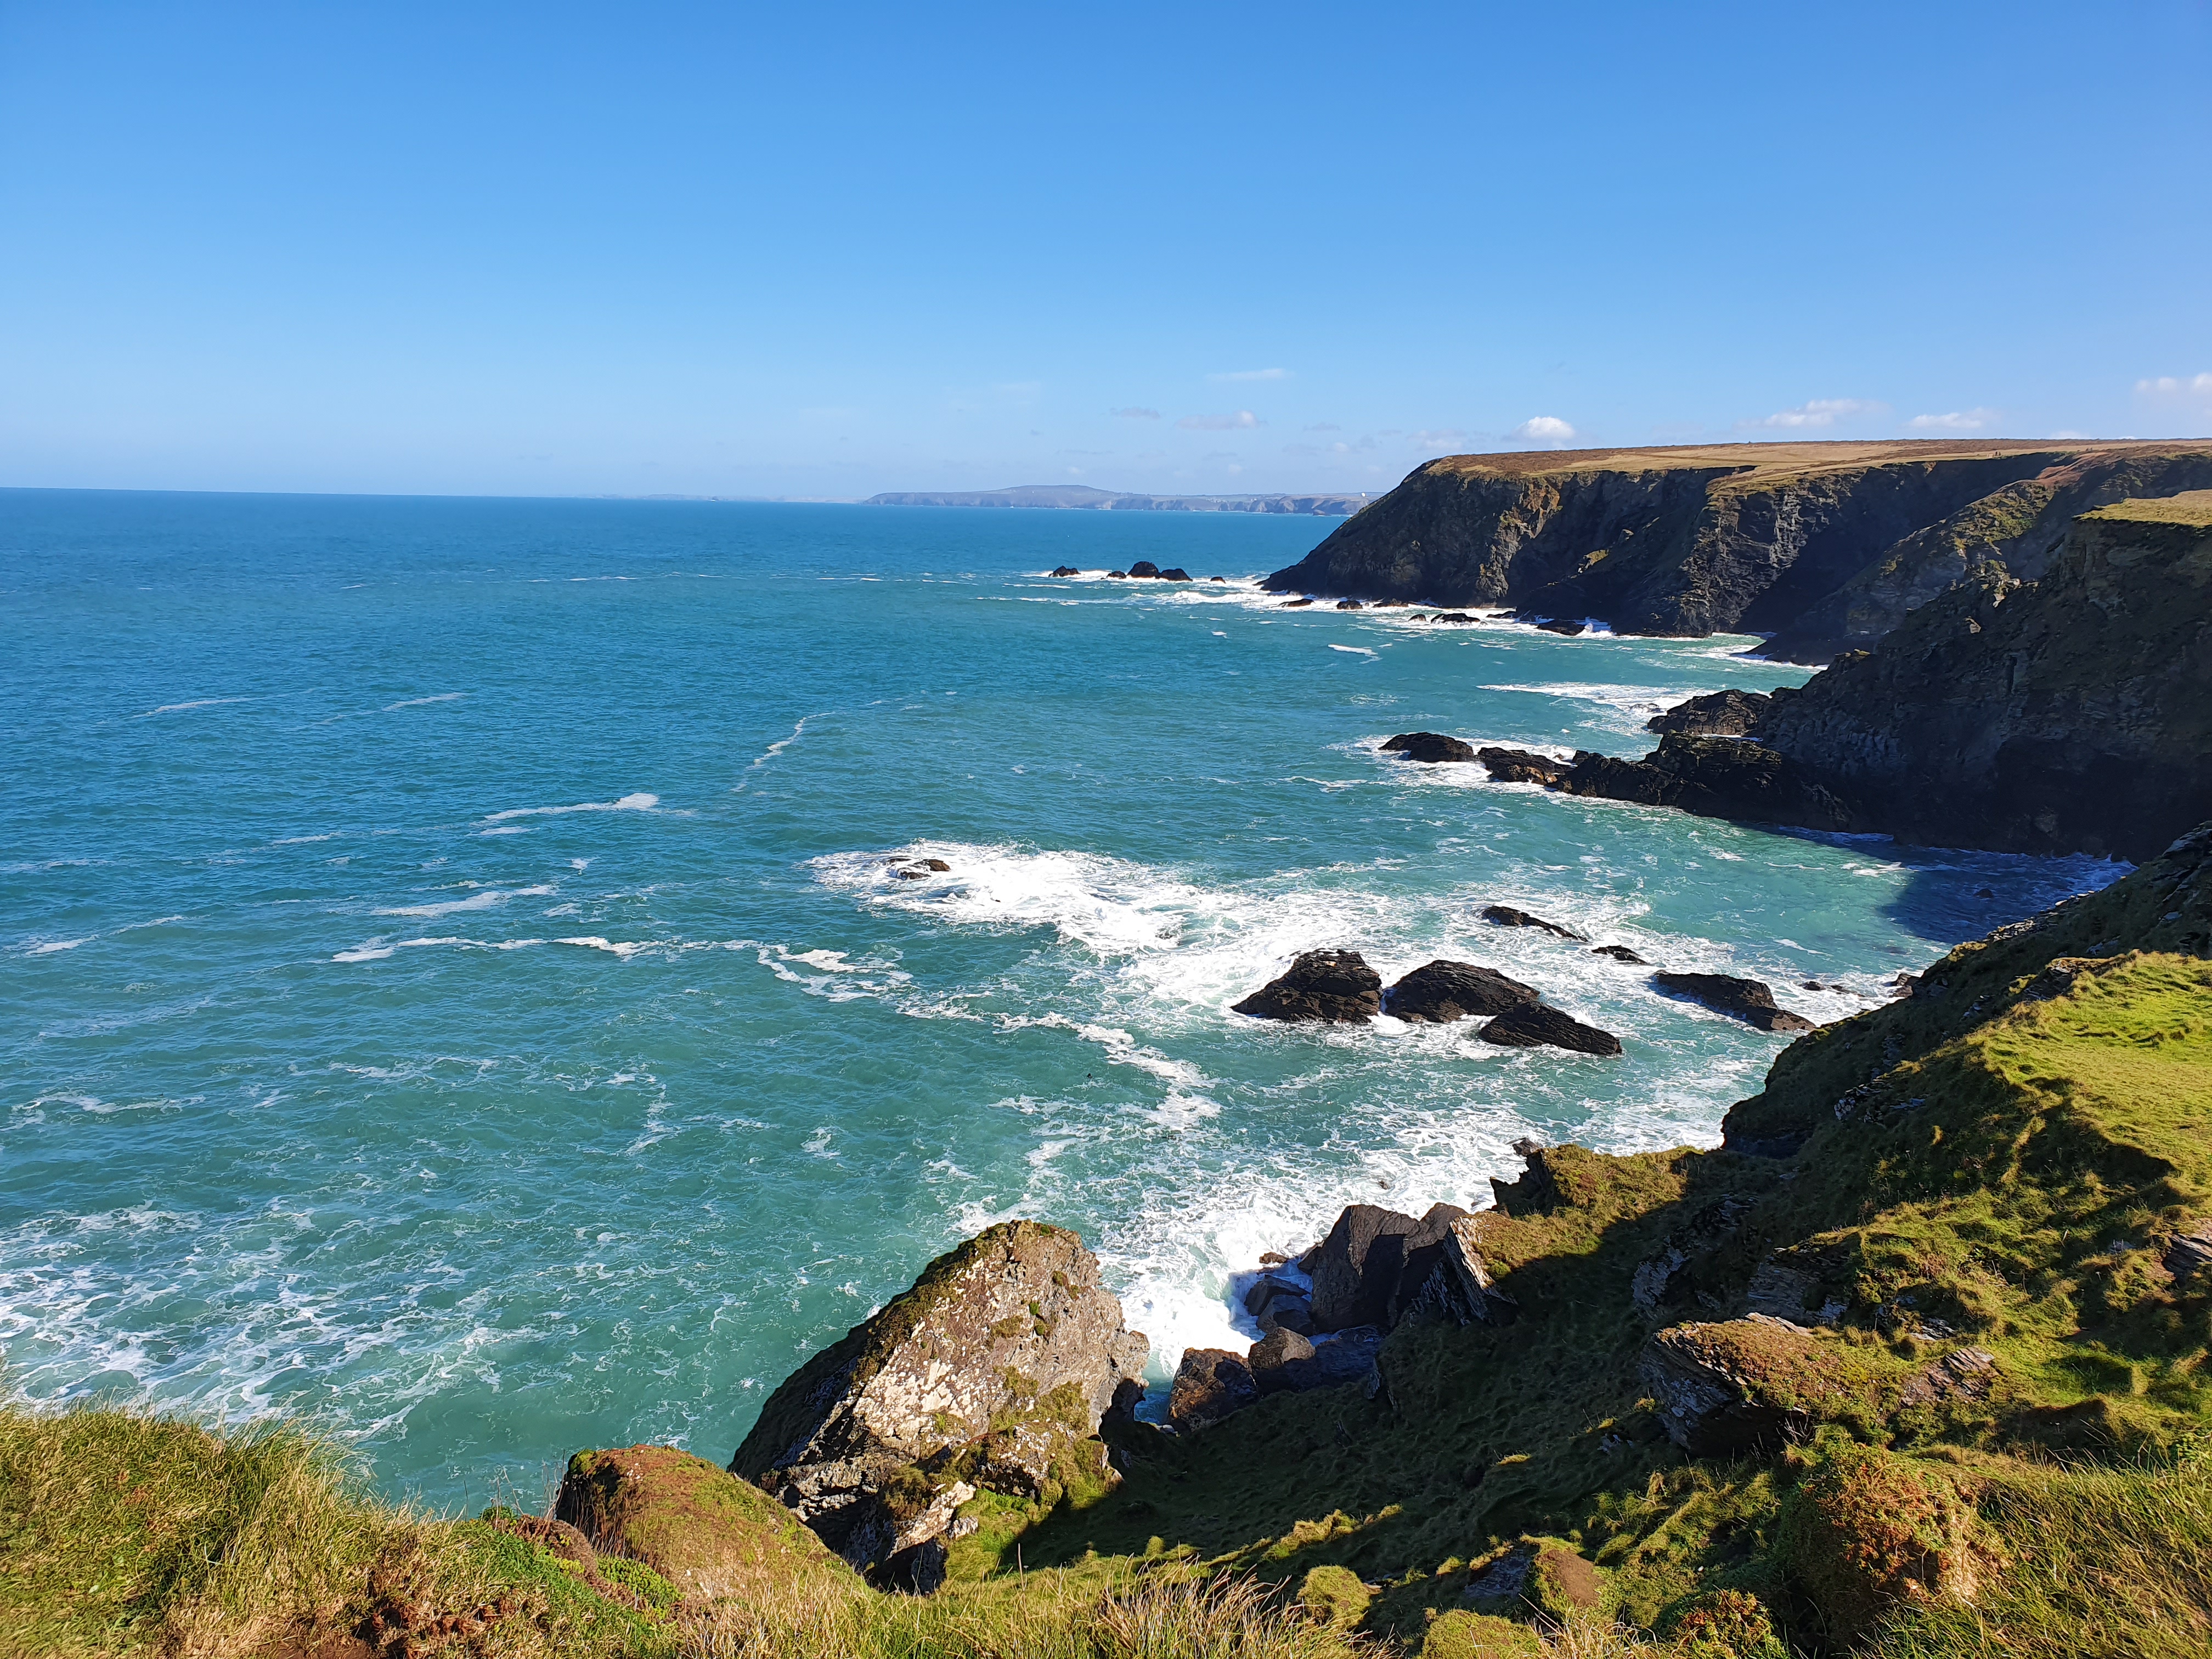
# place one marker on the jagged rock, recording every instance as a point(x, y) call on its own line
point(1962, 1374)
point(1533, 1025)
point(1431, 747)
point(1336, 986)
point(1783, 1292)
point(1521, 766)
point(1441, 992)
point(1271, 1353)
point(1278, 1304)
point(1210, 1384)
point(1716, 715)
point(1457, 1285)
point(697, 1525)
point(1506, 916)
point(1671, 1278)
point(1014, 1325)
point(1352, 1283)
point(1747, 1000)
point(2188, 1257)
point(1743, 1385)
point(1621, 953)
point(1144, 568)
point(1175, 573)
point(1067, 570)
point(1713, 777)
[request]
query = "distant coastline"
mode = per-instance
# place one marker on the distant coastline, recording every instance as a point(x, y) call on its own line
point(1332, 504)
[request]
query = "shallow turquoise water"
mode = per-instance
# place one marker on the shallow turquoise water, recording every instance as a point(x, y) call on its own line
point(449, 983)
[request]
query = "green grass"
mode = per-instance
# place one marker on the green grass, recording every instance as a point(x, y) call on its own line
point(2191, 506)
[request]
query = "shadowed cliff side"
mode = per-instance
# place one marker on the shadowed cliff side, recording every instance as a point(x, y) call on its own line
point(1815, 543)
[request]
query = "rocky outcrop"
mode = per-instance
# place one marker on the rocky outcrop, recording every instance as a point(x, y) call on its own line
point(2064, 715)
point(1533, 1025)
point(1716, 715)
point(1504, 916)
point(1441, 992)
point(1209, 1384)
point(1756, 537)
point(698, 1526)
point(1356, 1268)
point(918, 869)
point(870, 1439)
point(1747, 1000)
point(1621, 953)
point(1747, 1385)
point(1428, 746)
point(1522, 766)
point(1330, 985)
point(1712, 777)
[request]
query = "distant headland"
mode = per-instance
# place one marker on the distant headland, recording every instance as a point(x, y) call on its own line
point(1336, 505)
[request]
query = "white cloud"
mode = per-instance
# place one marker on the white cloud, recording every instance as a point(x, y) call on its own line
point(1542, 429)
point(1134, 413)
point(2170, 385)
point(1820, 411)
point(1243, 419)
point(1253, 374)
point(1446, 437)
point(1959, 420)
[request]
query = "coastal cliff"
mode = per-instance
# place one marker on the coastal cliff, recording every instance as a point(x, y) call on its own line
point(1824, 545)
point(2069, 714)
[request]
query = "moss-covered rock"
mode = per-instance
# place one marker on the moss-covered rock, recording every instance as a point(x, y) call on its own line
point(1867, 1530)
point(1460, 1634)
point(1334, 1596)
point(700, 1526)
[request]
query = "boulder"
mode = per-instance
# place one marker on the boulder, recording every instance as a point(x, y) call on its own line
point(1335, 985)
point(863, 1441)
point(1747, 1000)
point(1067, 570)
point(1118, 575)
point(1868, 1531)
point(1457, 1285)
point(1210, 1384)
point(1217, 579)
point(1441, 992)
point(1522, 766)
point(1569, 628)
point(1350, 605)
point(1621, 953)
point(1504, 916)
point(1533, 1025)
point(1175, 573)
point(1271, 1353)
point(1144, 568)
point(697, 1525)
point(1428, 746)
point(1356, 1268)
point(1746, 1385)
point(1716, 715)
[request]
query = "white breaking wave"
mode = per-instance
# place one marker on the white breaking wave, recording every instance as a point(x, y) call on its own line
point(483, 900)
point(179, 707)
point(637, 803)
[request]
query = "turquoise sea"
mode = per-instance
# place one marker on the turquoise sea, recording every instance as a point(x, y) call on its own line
point(450, 986)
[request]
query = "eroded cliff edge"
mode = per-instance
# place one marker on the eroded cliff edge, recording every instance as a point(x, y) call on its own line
point(1825, 545)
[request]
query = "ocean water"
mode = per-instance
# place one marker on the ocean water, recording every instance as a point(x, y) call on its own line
point(450, 986)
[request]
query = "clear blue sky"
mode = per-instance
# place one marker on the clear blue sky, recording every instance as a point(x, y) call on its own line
point(826, 250)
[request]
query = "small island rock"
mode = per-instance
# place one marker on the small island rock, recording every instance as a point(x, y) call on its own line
point(1335, 985)
point(1441, 992)
point(1506, 916)
point(1747, 1000)
point(1533, 1025)
point(1431, 747)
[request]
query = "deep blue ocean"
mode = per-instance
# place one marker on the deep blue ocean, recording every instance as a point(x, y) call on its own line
point(450, 986)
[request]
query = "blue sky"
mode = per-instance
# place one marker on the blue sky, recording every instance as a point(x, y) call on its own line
point(825, 251)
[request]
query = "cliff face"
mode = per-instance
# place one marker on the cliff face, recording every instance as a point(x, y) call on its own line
point(2070, 715)
point(1825, 545)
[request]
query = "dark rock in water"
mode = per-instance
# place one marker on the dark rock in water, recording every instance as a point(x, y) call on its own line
point(1388, 605)
point(1743, 1386)
point(1144, 567)
point(1294, 604)
point(1350, 605)
point(1441, 992)
point(1533, 1025)
point(1747, 1000)
point(1010, 1333)
point(1521, 766)
point(1288, 1313)
point(1713, 777)
point(1506, 916)
point(1621, 953)
point(1119, 575)
point(1985, 892)
point(1454, 617)
point(1716, 715)
point(1067, 570)
point(1319, 984)
point(1271, 1353)
point(1430, 746)
point(918, 869)
point(1566, 628)
point(1217, 579)
point(1356, 1268)
point(1210, 1384)
point(1175, 573)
